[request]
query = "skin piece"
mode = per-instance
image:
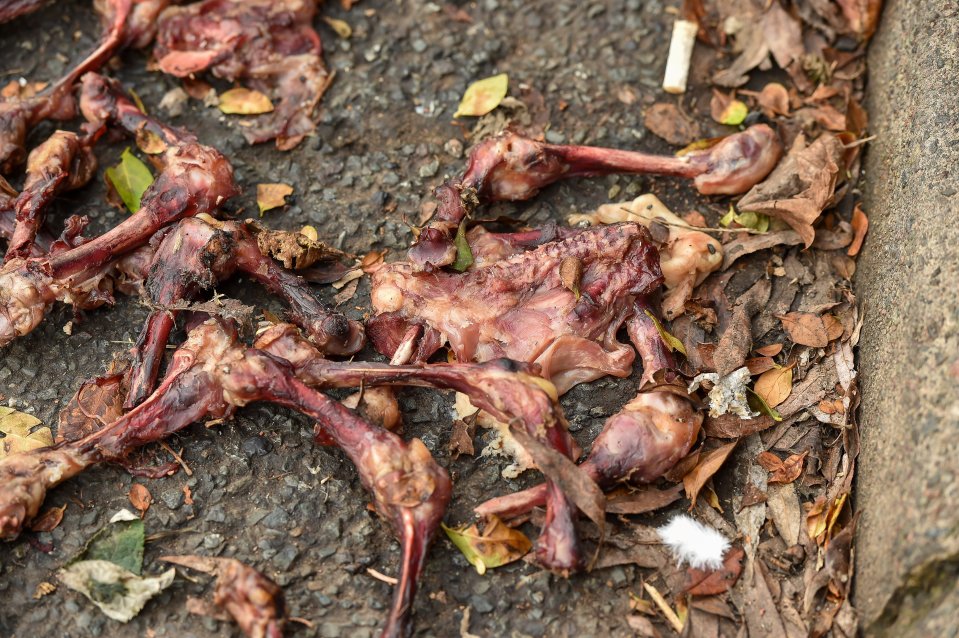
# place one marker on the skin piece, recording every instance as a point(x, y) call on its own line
point(521, 308)
point(193, 179)
point(141, 24)
point(19, 116)
point(267, 45)
point(505, 389)
point(196, 254)
point(210, 376)
point(254, 601)
point(514, 168)
point(62, 163)
point(638, 444)
point(12, 9)
point(687, 256)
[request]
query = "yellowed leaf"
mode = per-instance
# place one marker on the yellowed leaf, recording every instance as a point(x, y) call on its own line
point(149, 142)
point(774, 385)
point(242, 101)
point(497, 545)
point(21, 432)
point(343, 29)
point(734, 114)
point(672, 343)
point(270, 196)
point(709, 463)
point(483, 96)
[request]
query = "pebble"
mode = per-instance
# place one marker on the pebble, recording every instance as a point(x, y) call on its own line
point(277, 519)
point(216, 514)
point(481, 604)
point(256, 446)
point(430, 168)
point(555, 137)
point(172, 498)
point(212, 541)
point(285, 557)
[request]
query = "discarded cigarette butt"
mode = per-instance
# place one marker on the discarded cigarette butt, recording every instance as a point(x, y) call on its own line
point(680, 54)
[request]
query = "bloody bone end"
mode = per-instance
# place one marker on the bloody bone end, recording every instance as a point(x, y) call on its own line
point(514, 168)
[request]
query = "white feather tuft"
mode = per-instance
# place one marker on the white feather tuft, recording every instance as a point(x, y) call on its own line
point(692, 542)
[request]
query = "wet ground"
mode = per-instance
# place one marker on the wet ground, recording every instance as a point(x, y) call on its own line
point(261, 491)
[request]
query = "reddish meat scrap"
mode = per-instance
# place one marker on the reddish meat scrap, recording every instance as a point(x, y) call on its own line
point(271, 46)
point(521, 307)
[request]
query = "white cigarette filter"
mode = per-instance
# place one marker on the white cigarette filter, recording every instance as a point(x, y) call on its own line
point(680, 55)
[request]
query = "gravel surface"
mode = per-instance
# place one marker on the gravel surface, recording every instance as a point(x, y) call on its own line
point(261, 491)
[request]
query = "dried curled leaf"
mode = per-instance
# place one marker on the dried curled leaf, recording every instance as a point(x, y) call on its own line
point(22, 432)
point(97, 403)
point(270, 196)
point(483, 96)
point(294, 250)
point(709, 463)
point(118, 593)
point(665, 120)
point(130, 179)
point(140, 498)
point(242, 101)
point(571, 273)
point(48, 520)
point(495, 546)
point(781, 471)
point(672, 343)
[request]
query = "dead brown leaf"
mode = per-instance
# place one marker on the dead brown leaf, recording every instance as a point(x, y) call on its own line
point(140, 498)
point(48, 520)
point(760, 365)
point(97, 403)
point(737, 340)
point(860, 225)
point(732, 426)
point(746, 244)
point(805, 328)
point(641, 501)
point(461, 439)
point(710, 583)
point(801, 186)
point(774, 385)
point(771, 350)
point(665, 120)
point(709, 464)
point(773, 99)
point(781, 471)
point(862, 16)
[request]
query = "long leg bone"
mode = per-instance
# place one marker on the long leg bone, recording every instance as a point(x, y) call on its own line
point(19, 116)
point(514, 168)
point(210, 376)
point(638, 444)
point(194, 179)
point(63, 162)
point(196, 254)
point(503, 388)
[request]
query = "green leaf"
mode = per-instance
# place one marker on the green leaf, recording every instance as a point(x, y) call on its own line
point(672, 343)
point(483, 96)
point(734, 114)
point(130, 178)
point(120, 542)
point(758, 222)
point(759, 404)
point(464, 255)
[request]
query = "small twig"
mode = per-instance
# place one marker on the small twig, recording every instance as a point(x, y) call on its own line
point(668, 612)
point(389, 580)
point(177, 457)
point(860, 142)
point(303, 621)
